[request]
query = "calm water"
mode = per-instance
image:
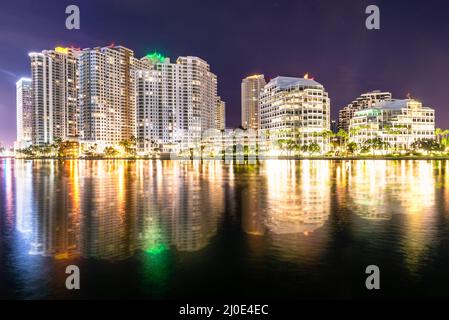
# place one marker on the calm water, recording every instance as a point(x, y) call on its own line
point(175, 229)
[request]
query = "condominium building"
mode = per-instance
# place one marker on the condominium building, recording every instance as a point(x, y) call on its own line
point(158, 100)
point(220, 115)
point(397, 122)
point(24, 113)
point(295, 108)
point(54, 94)
point(176, 102)
point(107, 95)
point(251, 89)
point(364, 101)
point(201, 92)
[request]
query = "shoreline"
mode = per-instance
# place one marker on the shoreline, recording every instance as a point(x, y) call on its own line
point(352, 158)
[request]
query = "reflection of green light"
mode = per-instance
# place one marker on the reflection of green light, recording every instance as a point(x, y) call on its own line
point(156, 249)
point(155, 239)
point(156, 269)
point(157, 57)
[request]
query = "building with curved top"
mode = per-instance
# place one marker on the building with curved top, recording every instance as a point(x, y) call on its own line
point(295, 108)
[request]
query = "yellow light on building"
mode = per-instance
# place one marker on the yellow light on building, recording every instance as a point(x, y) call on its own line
point(62, 50)
point(255, 76)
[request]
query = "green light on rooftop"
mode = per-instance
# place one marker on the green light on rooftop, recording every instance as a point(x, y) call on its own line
point(155, 57)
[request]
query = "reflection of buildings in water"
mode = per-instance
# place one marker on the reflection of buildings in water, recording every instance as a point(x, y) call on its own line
point(108, 193)
point(24, 202)
point(416, 198)
point(253, 211)
point(153, 228)
point(445, 177)
point(378, 188)
point(367, 183)
point(340, 171)
point(414, 186)
point(182, 200)
point(45, 215)
point(297, 204)
point(6, 185)
point(110, 209)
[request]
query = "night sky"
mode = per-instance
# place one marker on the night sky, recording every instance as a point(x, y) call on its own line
point(327, 38)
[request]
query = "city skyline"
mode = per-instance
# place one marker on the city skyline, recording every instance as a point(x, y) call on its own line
point(96, 100)
point(180, 152)
point(345, 71)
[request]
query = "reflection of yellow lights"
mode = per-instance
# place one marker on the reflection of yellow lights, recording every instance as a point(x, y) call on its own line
point(297, 205)
point(74, 176)
point(121, 181)
point(62, 256)
point(378, 189)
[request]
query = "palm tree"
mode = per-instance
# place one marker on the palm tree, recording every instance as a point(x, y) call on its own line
point(427, 145)
point(438, 134)
point(325, 135)
point(290, 146)
point(445, 140)
point(110, 152)
point(304, 148)
point(129, 145)
point(394, 131)
point(352, 147)
point(314, 148)
point(343, 138)
point(282, 144)
point(376, 144)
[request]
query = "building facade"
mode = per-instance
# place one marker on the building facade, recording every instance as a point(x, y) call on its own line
point(54, 95)
point(364, 101)
point(220, 115)
point(107, 95)
point(295, 108)
point(157, 88)
point(176, 102)
point(396, 122)
point(24, 113)
point(103, 96)
point(251, 89)
point(201, 97)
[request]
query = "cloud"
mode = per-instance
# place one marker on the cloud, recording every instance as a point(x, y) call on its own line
point(9, 73)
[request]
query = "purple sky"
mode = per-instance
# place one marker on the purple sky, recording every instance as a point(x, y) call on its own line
point(327, 38)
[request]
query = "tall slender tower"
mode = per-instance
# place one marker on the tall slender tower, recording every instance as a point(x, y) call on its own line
point(24, 113)
point(251, 88)
point(220, 116)
point(54, 94)
point(107, 95)
point(199, 99)
point(158, 99)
